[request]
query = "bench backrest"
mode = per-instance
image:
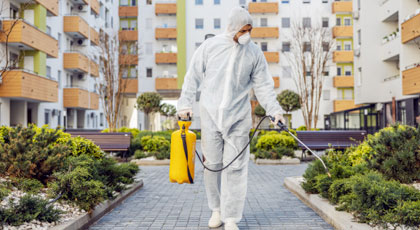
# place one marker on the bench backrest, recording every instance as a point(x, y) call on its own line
point(337, 139)
point(107, 141)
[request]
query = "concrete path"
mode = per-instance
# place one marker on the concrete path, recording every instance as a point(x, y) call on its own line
point(162, 205)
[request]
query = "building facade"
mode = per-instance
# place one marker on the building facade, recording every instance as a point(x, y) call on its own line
point(53, 71)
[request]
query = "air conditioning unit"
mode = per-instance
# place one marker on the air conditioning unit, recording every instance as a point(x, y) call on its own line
point(81, 77)
point(357, 52)
point(80, 41)
point(356, 15)
point(80, 7)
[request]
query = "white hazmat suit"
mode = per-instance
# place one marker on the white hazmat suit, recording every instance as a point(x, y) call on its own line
point(226, 72)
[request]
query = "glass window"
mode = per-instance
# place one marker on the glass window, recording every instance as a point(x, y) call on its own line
point(263, 22)
point(134, 2)
point(306, 1)
point(306, 22)
point(339, 71)
point(101, 119)
point(123, 2)
point(325, 22)
point(264, 46)
point(217, 23)
point(59, 118)
point(338, 46)
point(149, 72)
point(286, 47)
point(347, 21)
point(124, 24)
point(59, 41)
point(285, 1)
point(133, 24)
point(307, 47)
point(149, 2)
point(48, 71)
point(59, 78)
point(242, 2)
point(348, 71)
point(324, 1)
point(199, 23)
point(359, 37)
point(199, 2)
point(325, 46)
point(133, 71)
point(47, 117)
point(216, 2)
point(347, 46)
point(338, 21)
point(285, 22)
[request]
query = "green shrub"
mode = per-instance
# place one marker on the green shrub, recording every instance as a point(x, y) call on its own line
point(82, 146)
point(78, 187)
point(407, 213)
point(275, 153)
point(323, 183)
point(396, 153)
point(338, 189)
point(32, 186)
point(4, 191)
point(27, 209)
point(157, 146)
point(313, 170)
point(32, 153)
point(270, 141)
point(301, 128)
point(139, 154)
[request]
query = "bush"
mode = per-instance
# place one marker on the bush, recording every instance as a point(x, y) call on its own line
point(275, 153)
point(27, 209)
point(32, 153)
point(32, 186)
point(269, 141)
point(4, 191)
point(301, 128)
point(315, 169)
point(157, 146)
point(323, 183)
point(140, 154)
point(396, 153)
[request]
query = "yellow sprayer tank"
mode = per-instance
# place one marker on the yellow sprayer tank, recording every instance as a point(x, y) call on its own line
point(181, 170)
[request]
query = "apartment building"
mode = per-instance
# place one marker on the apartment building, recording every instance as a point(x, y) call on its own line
point(170, 31)
point(386, 62)
point(53, 48)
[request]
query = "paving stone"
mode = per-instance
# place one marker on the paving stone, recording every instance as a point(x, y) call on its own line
point(164, 205)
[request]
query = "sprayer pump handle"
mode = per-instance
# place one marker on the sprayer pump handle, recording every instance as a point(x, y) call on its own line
point(188, 119)
point(280, 124)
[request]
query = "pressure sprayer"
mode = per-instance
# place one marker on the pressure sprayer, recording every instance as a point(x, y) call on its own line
point(181, 168)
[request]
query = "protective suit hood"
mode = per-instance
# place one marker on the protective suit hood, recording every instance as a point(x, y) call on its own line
point(238, 18)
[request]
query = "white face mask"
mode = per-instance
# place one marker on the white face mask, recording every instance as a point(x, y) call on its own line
point(244, 39)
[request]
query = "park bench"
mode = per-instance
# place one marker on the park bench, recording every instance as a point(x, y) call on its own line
point(108, 142)
point(330, 139)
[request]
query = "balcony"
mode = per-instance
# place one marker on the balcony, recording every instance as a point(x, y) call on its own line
point(76, 98)
point(28, 86)
point(411, 81)
point(265, 32)
point(167, 87)
point(263, 7)
point(76, 27)
point(272, 57)
point(343, 81)
point(50, 5)
point(165, 33)
point(94, 69)
point(94, 36)
point(130, 85)
point(276, 82)
point(166, 58)
point(341, 105)
point(165, 8)
point(128, 11)
point(128, 59)
point(342, 7)
point(410, 29)
point(128, 35)
point(24, 36)
point(94, 5)
point(76, 62)
point(391, 49)
point(342, 31)
point(388, 11)
point(94, 101)
point(343, 56)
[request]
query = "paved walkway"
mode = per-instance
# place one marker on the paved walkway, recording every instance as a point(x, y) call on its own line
point(162, 205)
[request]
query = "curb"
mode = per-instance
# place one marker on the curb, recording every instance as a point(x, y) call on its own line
point(142, 162)
point(85, 220)
point(283, 161)
point(339, 220)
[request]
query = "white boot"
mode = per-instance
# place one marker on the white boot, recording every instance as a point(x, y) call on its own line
point(215, 221)
point(231, 225)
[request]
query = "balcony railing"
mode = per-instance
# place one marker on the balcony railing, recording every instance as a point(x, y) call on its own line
point(165, 33)
point(263, 7)
point(28, 86)
point(50, 5)
point(28, 37)
point(411, 80)
point(94, 101)
point(130, 85)
point(94, 68)
point(128, 11)
point(343, 31)
point(342, 7)
point(94, 36)
point(265, 32)
point(343, 104)
point(166, 58)
point(95, 6)
point(128, 59)
point(272, 57)
point(128, 35)
point(343, 81)
point(76, 26)
point(166, 84)
point(343, 56)
point(76, 98)
point(410, 29)
point(76, 62)
point(165, 8)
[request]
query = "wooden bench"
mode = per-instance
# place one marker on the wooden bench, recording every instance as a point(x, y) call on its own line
point(108, 142)
point(326, 139)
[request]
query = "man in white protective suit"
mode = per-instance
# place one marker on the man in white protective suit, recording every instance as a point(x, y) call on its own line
point(226, 67)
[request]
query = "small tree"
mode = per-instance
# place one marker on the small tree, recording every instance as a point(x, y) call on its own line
point(167, 110)
point(149, 102)
point(289, 102)
point(259, 111)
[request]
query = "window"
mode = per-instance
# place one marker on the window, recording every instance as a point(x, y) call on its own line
point(199, 2)
point(199, 23)
point(326, 95)
point(59, 78)
point(124, 24)
point(48, 30)
point(149, 2)
point(347, 46)
point(287, 71)
point(49, 72)
point(402, 112)
point(133, 24)
point(347, 21)
point(216, 2)
point(359, 77)
point(285, 22)
point(134, 2)
point(264, 46)
point(47, 117)
point(123, 2)
point(338, 46)
point(339, 72)
point(133, 71)
point(59, 118)
point(348, 71)
point(325, 22)
point(197, 96)
point(149, 72)
point(338, 21)
point(307, 47)
point(285, 1)
point(263, 22)
point(101, 119)
point(242, 2)
point(217, 23)
point(325, 46)
point(359, 37)
point(306, 1)
point(324, 1)
point(306, 22)
point(59, 41)
point(286, 47)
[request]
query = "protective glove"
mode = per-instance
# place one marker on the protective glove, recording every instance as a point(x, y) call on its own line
point(185, 113)
point(277, 118)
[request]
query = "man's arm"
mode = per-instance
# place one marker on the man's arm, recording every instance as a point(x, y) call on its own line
point(263, 85)
point(192, 80)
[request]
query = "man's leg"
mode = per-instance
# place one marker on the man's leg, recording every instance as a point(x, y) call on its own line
point(234, 179)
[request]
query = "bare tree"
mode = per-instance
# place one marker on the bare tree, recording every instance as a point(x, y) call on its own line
point(5, 63)
point(311, 49)
point(114, 66)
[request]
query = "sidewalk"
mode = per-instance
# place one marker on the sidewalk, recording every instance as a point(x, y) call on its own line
point(162, 205)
